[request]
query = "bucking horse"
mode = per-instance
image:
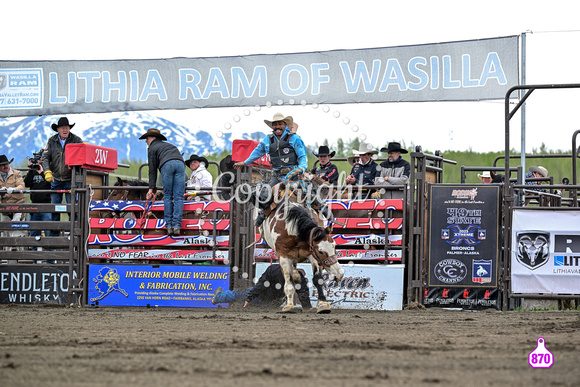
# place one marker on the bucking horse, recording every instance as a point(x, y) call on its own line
point(297, 233)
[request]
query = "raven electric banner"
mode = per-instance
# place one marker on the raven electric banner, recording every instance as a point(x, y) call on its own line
point(453, 71)
point(463, 245)
point(372, 287)
point(545, 253)
point(170, 285)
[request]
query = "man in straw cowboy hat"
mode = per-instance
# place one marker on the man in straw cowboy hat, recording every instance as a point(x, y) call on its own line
point(11, 179)
point(364, 170)
point(287, 155)
point(56, 172)
point(166, 158)
point(326, 170)
point(200, 176)
point(393, 171)
point(536, 172)
point(485, 177)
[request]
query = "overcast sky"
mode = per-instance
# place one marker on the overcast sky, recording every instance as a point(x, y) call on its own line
point(124, 29)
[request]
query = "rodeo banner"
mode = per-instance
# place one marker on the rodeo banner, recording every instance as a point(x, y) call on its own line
point(463, 246)
point(545, 253)
point(141, 285)
point(452, 71)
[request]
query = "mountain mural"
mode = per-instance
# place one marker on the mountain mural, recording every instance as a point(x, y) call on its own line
point(22, 136)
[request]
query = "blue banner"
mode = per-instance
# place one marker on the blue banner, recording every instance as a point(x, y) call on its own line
point(169, 285)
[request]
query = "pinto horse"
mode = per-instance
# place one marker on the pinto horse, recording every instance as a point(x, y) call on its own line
point(297, 235)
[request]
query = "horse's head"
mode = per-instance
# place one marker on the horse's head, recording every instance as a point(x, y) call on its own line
point(323, 249)
point(119, 194)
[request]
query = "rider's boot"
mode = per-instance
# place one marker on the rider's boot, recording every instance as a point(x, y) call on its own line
point(264, 200)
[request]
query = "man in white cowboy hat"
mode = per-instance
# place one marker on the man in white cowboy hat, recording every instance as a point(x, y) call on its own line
point(56, 172)
point(326, 170)
point(166, 158)
point(485, 177)
point(11, 179)
point(364, 170)
point(200, 176)
point(287, 155)
point(536, 172)
point(393, 171)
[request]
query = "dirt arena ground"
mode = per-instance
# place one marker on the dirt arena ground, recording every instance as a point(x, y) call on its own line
point(71, 346)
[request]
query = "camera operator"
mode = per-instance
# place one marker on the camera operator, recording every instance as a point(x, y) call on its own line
point(35, 180)
point(10, 179)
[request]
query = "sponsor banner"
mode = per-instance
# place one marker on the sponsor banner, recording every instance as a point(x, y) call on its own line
point(450, 71)
point(156, 240)
point(366, 204)
point(356, 239)
point(34, 284)
point(545, 251)
point(133, 223)
point(173, 255)
point(463, 237)
point(366, 223)
point(342, 254)
point(139, 285)
point(128, 205)
point(466, 298)
point(371, 287)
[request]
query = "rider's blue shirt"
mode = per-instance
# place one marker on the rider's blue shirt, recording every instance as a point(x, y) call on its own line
point(263, 148)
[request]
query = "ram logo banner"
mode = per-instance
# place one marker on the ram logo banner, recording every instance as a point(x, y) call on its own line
point(533, 249)
point(472, 70)
point(545, 251)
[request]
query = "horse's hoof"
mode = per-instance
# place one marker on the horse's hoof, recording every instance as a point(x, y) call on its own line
point(322, 308)
point(289, 309)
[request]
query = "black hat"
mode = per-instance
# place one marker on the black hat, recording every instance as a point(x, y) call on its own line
point(324, 151)
point(62, 121)
point(197, 158)
point(394, 147)
point(226, 164)
point(153, 133)
point(4, 160)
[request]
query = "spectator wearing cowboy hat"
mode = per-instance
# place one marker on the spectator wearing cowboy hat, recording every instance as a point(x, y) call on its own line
point(287, 152)
point(393, 171)
point(326, 170)
point(364, 170)
point(200, 176)
point(10, 179)
point(56, 172)
point(166, 158)
point(227, 177)
point(486, 177)
point(533, 173)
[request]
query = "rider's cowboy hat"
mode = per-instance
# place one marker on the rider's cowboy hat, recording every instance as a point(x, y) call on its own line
point(280, 117)
point(201, 159)
point(485, 174)
point(4, 160)
point(364, 148)
point(62, 121)
point(324, 151)
point(153, 133)
point(541, 170)
point(394, 147)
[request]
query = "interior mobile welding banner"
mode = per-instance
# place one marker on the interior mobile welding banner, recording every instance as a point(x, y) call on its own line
point(453, 71)
point(463, 243)
point(545, 253)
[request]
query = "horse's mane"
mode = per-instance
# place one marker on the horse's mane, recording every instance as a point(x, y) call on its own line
point(297, 218)
point(136, 183)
